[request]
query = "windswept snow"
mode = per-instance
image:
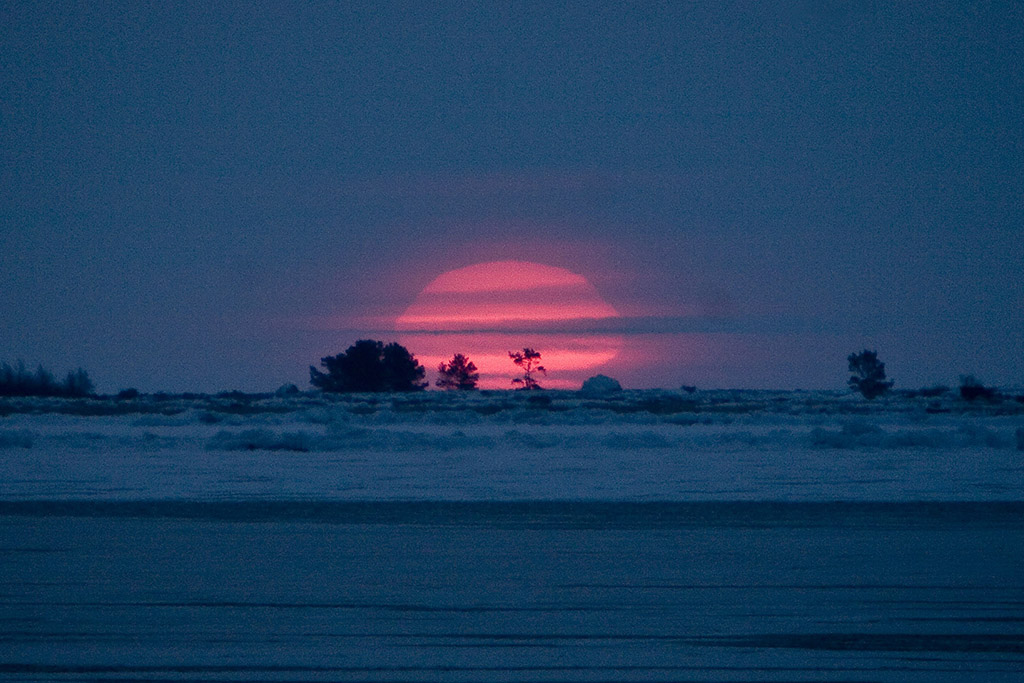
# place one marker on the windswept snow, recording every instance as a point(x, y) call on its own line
point(630, 445)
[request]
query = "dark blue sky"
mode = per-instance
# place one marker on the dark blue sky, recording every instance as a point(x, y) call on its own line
point(188, 190)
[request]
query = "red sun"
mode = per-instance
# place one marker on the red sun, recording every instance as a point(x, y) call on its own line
point(488, 309)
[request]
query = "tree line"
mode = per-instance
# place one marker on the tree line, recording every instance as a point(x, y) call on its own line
point(373, 366)
point(869, 379)
point(370, 365)
point(19, 381)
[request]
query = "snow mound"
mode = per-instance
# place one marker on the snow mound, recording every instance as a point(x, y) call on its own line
point(600, 385)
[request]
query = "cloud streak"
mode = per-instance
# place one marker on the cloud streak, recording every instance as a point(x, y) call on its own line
point(624, 325)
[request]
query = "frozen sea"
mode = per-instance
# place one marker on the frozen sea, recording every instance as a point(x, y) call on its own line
point(655, 536)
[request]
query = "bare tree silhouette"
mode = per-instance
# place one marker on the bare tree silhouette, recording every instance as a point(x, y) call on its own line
point(528, 360)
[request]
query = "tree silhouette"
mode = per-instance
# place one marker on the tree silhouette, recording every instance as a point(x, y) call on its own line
point(458, 373)
point(401, 370)
point(369, 365)
point(528, 361)
point(869, 374)
point(18, 381)
point(77, 383)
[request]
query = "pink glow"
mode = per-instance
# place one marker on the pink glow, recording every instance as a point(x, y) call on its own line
point(503, 292)
point(504, 276)
point(504, 297)
point(569, 358)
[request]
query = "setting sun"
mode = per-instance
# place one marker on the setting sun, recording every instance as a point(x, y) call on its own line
point(488, 309)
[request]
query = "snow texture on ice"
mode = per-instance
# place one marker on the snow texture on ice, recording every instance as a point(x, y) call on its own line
point(629, 445)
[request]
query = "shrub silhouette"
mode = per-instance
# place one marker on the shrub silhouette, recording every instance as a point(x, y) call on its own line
point(528, 361)
point(869, 374)
point(369, 365)
point(17, 381)
point(971, 389)
point(458, 373)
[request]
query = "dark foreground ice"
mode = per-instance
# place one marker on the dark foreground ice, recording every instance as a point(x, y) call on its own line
point(511, 591)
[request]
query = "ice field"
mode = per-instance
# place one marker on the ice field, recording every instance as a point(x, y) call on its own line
point(646, 536)
point(512, 592)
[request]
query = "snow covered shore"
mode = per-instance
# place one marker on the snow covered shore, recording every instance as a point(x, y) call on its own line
point(633, 445)
point(708, 536)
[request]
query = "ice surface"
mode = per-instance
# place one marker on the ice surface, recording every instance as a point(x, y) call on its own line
point(512, 592)
point(650, 445)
